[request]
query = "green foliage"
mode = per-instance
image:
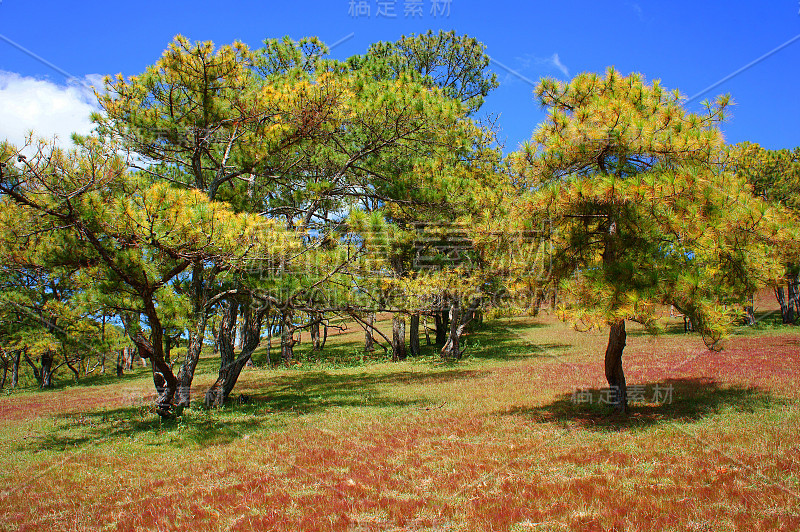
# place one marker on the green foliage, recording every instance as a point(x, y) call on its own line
point(455, 63)
point(643, 214)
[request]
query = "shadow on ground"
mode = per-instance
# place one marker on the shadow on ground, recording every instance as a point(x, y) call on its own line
point(499, 341)
point(674, 400)
point(259, 406)
point(262, 402)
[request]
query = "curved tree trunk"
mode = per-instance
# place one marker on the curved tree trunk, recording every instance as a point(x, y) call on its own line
point(459, 320)
point(75, 371)
point(452, 346)
point(226, 340)
point(230, 365)
point(196, 333)
point(780, 295)
point(613, 365)
point(164, 379)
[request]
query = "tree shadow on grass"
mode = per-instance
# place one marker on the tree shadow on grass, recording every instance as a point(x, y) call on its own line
point(256, 408)
point(64, 380)
point(315, 391)
point(674, 400)
point(493, 342)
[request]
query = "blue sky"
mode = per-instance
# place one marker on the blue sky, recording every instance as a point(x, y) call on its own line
point(689, 45)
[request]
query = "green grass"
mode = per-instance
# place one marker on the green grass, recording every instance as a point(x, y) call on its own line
point(348, 441)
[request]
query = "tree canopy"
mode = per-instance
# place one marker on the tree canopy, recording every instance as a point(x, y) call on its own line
point(229, 191)
point(643, 212)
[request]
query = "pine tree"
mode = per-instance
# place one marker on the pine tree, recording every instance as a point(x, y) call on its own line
point(643, 212)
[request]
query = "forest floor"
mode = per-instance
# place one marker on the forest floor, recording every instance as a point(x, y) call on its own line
point(516, 436)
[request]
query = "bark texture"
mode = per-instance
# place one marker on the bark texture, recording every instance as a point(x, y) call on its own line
point(613, 366)
point(398, 338)
point(369, 340)
point(413, 333)
point(231, 365)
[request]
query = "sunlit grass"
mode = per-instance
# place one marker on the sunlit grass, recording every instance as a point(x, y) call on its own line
point(493, 442)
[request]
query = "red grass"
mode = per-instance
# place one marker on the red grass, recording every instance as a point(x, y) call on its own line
point(466, 466)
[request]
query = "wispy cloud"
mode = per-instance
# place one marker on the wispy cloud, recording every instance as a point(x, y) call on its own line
point(46, 108)
point(532, 66)
point(637, 9)
point(556, 61)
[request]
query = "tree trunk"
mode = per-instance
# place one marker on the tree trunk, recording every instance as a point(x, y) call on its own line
point(369, 340)
point(75, 371)
point(414, 335)
point(403, 336)
point(226, 344)
point(196, 334)
point(616, 335)
point(5, 373)
point(452, 347)
point(120, 362)
point(46, 370)
point(398, 338)
point(780, 295)
point(167, 347)
point(36, 373)
point(316, 340)
point(442, 323)
point(613, 366)
point(15, 368)
point(287, 337)
point(793, 296)
point(152, 348)
point(231, 366)
point(459, 321)
point(427, 332)
point(270, 325)
point(749, 313)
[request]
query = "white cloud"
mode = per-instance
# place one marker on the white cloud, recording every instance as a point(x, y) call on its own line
point(556, 62)
point(48, 109)
point(637, 9)
point(533, 66)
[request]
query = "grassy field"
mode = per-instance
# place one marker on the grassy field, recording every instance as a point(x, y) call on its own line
point(506, 439)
